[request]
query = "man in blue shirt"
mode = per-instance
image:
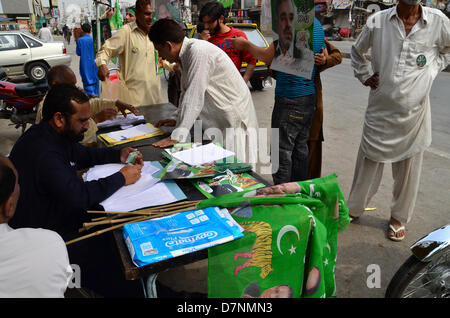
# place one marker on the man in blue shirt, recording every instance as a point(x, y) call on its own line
point(88, 69)
point(294, 97)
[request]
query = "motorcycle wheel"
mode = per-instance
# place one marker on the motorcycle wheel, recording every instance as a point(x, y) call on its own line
point(416, 279)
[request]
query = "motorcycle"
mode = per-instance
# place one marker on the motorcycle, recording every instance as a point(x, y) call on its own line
point(18, 102)
point(332, 33)
point(426, 273)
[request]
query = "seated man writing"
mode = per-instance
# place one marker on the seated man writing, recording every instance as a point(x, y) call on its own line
point(101, 109)
point(20, 275)
point(213, 90)
point(47, 157)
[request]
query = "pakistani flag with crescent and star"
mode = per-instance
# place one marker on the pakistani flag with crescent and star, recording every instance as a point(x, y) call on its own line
point(290, 241)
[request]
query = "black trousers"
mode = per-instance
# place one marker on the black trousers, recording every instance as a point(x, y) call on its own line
point(293, 117)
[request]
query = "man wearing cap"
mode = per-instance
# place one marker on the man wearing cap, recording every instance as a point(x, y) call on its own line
point(131, 15)
point(410, 45)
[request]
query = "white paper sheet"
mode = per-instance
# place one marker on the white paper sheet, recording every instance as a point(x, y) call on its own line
point(202, 154)
point(146, 192)
point(155, 195)
point(135, 131)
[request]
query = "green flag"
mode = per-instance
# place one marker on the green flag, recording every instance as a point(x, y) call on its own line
point(116, 19)
point(289, 245)
point(226, 3)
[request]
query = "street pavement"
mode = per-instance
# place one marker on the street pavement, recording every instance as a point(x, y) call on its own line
point(364, 243)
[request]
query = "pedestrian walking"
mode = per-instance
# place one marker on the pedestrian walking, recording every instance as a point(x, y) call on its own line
point(45, 34)
point(410, 45)
point(88, 69)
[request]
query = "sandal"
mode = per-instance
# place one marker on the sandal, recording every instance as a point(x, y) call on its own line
point(395, 237)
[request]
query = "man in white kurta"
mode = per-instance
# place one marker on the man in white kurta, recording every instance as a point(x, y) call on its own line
point(406, 57)
point(213, 91)
point(33, 262)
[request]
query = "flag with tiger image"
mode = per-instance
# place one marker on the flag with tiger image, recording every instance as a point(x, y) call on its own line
point(290, 241)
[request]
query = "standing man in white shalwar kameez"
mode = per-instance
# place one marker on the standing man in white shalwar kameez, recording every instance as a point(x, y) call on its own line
point(410, 45)
point(213, 90)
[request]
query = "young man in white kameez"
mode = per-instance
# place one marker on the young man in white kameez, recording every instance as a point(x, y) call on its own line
point(213, 91)
point(410, 45)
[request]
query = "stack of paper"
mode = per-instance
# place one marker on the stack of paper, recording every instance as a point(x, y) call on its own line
point(203, 154)
point(130, 134)
point(174, 235)
point(122, 121)
point(146, 192)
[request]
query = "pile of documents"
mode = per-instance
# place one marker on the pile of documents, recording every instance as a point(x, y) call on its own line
point(188, 161)
point(178, 234)
point(148, 191)
point(134, 133)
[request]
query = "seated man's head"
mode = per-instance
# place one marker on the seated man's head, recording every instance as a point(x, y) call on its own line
point(9, 189)
point(167, 36)
point(61, 74)
point(66, 108)
point(212, 15)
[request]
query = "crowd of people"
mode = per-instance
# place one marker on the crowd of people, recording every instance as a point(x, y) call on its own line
point(43, 202)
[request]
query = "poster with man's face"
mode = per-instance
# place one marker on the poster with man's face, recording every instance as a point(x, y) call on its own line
point(293, 23)
point(166, 9)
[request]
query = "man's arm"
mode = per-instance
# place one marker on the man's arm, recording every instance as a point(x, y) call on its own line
point(100, 104)
point(263, 54)
point(78, 48)
point(444, 43)
point(333, 57)
point(249, 72)
point(112, 47)
point(194, 97)
point(60, 180)
point(360, 65)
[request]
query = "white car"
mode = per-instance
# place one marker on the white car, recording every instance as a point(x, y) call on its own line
point(22, 53)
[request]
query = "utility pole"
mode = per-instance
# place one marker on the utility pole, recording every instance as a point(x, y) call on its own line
point(97, 14)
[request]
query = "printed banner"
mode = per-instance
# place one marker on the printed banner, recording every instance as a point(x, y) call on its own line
point(293, 24)
point(290, 241)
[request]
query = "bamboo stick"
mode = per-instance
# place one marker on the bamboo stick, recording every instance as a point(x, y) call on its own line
point(104, 230)
point(143, 215)
point(108, 221)
point(190, 204)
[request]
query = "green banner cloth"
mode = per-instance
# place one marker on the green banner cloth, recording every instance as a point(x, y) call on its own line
point(116, 19)
point(226, 3)
point(290, 241)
